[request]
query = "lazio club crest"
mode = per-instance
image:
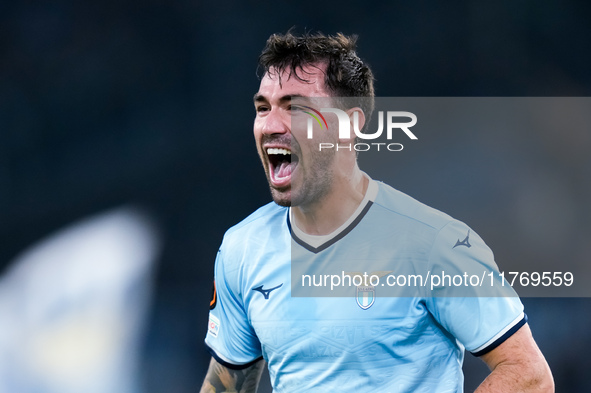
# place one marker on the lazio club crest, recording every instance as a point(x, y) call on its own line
point(366, 296)
point(366, 293)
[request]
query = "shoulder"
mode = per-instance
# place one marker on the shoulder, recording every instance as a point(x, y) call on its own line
point(259, 227)
point(397, 204)
point(269, 214)
point(256, 241)
point(432, 225)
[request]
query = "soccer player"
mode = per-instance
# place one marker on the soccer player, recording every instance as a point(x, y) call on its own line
point(327, 210)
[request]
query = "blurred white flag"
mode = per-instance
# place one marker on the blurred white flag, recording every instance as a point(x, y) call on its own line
point(72, 307)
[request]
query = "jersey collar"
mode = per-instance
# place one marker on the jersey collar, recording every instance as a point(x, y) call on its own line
point(316, 243)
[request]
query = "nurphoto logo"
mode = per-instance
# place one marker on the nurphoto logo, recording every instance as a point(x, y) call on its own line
point(393, 123)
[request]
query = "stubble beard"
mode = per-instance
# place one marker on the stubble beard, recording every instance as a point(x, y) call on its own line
point(316, 173)
point(317, 180)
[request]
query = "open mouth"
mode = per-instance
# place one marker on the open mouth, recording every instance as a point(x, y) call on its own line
point(281, 165)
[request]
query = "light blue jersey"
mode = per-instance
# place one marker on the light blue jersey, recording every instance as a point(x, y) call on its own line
point(364, 342)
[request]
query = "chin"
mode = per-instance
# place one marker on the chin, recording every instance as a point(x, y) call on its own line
point(282, 202)
point(281, 198)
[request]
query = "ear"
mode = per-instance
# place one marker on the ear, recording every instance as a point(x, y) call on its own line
point(357, 118)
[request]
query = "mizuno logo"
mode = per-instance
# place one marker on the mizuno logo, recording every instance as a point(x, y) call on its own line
point(464, 242)
point(266, 292)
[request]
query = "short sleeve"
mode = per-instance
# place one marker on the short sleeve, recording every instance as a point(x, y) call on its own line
point(230, 337)
point(473, 303)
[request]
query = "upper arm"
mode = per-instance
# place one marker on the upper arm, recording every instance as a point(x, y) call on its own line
point(480, 315)
point(220, 378)
point(230, 335)
point(519, 361)
point(237, 363)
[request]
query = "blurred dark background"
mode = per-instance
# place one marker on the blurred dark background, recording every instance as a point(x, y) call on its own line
point(115, 102)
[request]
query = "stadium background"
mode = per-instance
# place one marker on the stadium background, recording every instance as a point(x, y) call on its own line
point(149, 103)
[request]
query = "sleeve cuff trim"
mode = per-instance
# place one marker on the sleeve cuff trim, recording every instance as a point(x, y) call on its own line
point(503, 335)
point(228, 364)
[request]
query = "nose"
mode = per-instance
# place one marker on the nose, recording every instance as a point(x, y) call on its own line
point(275, 122)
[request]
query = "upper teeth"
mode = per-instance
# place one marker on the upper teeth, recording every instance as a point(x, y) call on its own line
point(274, 150)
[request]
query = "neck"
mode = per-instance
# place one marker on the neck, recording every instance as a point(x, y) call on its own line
point(326, 215)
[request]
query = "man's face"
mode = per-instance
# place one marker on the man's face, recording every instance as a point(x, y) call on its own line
point(297, 172)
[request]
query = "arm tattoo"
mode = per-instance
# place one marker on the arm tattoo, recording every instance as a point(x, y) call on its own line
point(220, 379)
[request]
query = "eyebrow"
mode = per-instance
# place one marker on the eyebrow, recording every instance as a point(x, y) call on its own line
point(261, 98)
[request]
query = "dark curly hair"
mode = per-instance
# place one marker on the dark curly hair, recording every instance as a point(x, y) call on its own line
point(346, 74)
